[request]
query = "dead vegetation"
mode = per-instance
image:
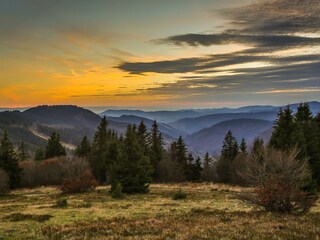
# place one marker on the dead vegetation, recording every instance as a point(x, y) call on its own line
point(211, 211)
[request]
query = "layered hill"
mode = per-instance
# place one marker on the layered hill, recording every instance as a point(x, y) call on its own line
point(211, 139)
point(192, 125)
point(167, 130)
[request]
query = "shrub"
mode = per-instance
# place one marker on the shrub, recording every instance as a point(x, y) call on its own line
point(179, 195)
point(51, 171)
point(61, 202)
point(117, 192)
point(278, 177)
point(81, 184)
point(4, 182)
point(29, 176)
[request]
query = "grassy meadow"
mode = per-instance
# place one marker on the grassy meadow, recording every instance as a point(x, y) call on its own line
point(210, 211)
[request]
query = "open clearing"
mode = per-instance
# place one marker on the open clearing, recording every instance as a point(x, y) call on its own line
point(210, 211)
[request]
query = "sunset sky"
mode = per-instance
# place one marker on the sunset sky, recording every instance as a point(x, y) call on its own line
point(153, 54)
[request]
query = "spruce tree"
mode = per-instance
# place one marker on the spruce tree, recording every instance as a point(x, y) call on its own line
point(189, 168)
point(39, 154)
point(143, 137)
point(181, 151)
point(99, 149)
point(304, 130)
point(132, 169)
point(258, 146)
point(229, 151)
point(22, 152)
point(197, 169)
point(243, 146)
point(155, 149)
point(9, 161)
point(307, 139)
point(54, 147)
point(84, 148)
point(284, 130)
point(207, 168)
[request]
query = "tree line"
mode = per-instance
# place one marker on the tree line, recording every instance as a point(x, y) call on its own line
point(139, 157)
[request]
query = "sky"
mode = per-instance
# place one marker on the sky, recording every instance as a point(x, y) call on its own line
point(151, 54)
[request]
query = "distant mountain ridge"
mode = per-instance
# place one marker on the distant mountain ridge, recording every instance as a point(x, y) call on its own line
point(164, 128)
point(192, 125)
point(202, 129)
point(172, 116)
point(211, 139)
point(66, 115)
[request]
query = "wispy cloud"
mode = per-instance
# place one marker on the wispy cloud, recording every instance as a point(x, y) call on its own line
point(266, 29)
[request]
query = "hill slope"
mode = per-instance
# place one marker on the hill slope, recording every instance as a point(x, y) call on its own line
point(192, 125)
point(164, 128)
point(210, 139)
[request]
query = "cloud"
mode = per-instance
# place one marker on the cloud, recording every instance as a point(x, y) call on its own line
point(270, 41)
point(277, 16)
point(209, 63)
point(267, 29)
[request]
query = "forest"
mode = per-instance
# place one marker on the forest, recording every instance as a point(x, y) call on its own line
point(281, 176)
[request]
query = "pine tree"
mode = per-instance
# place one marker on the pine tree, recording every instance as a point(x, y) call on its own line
point(155, 149)
point(99, 149)
point(22, 153)
point(307, 138)
point(189, 168)
point(54, 147)
point(132, 169)
point(39, 154)
point(243, 146)
point(9, 161)
point(143, 137)
point(258, 146)
point(181, 151)
point(170, 170)
point(84, 148)
point(197, 169)
point(207, 174)
point(304, 133)
point(284, 130)
point(229, 151)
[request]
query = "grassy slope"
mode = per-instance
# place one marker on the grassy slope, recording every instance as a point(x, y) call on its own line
point(210, 212)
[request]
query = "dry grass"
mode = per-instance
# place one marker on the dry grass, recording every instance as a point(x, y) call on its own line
point(210, 211)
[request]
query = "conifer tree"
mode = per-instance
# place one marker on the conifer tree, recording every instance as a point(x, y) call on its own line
point(304, 134)
point(307, 139)
point(207, 174)
point(54, 147)
point(189, 168)
point(39, 154)
point(258, 146)
point(22, 153)
point(197, 169)
point(84, 148)
point(298, 130)
point(143, 137)
point(9, 161)
point(229, 151)
point(155, 149)
point(243, 146)
point(181, 151)
point(99, 149)
point(132, 169)
point(284, 130)
point(170, 168)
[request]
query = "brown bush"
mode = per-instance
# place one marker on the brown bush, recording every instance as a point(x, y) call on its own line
point(52, 171)
point(4, 182)
point(29, 174)
point(278, 177)
point(279, 197)
point(81, 184)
